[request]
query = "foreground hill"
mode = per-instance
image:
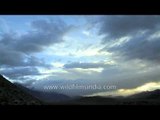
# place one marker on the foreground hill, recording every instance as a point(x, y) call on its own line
point(10, 94)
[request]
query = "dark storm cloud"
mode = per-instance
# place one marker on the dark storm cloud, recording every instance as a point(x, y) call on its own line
point(141, 45)
point(119, 26)
point(84, 65)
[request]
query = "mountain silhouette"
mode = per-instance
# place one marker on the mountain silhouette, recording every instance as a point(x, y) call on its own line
point(143, 98)
point(10, 94)
point(147, 95)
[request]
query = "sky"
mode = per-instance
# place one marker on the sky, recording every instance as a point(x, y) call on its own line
point(88, 55)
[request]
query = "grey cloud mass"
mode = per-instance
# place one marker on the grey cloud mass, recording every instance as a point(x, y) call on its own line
point(141, 29)
point(16, 48)
point(20, 71)
point(10, 57)
point(118, 26)
point(84, 65)
point(139, 48)
point(43, 34)
point(36, 41)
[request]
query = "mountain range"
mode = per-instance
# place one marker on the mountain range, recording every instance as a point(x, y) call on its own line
point(45, 96)
point(143, 98)
point(17, 94)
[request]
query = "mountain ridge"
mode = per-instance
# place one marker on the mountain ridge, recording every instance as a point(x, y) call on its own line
point(143, 98)
point(14, 94)
point(10, 94)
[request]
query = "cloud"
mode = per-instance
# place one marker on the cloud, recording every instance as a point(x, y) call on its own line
point(139, 47)
point(143, 32)
point(43, 34)
point(17, 58)
point(10, 57)
point(146, 87)
point(34, 61)
point(17, 49)
point(118, 26)
point(29, 83)
point(85, 65)
point(19, 71)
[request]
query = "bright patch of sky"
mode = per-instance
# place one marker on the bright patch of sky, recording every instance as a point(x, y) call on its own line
point(127, 92)
point(80, 44)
